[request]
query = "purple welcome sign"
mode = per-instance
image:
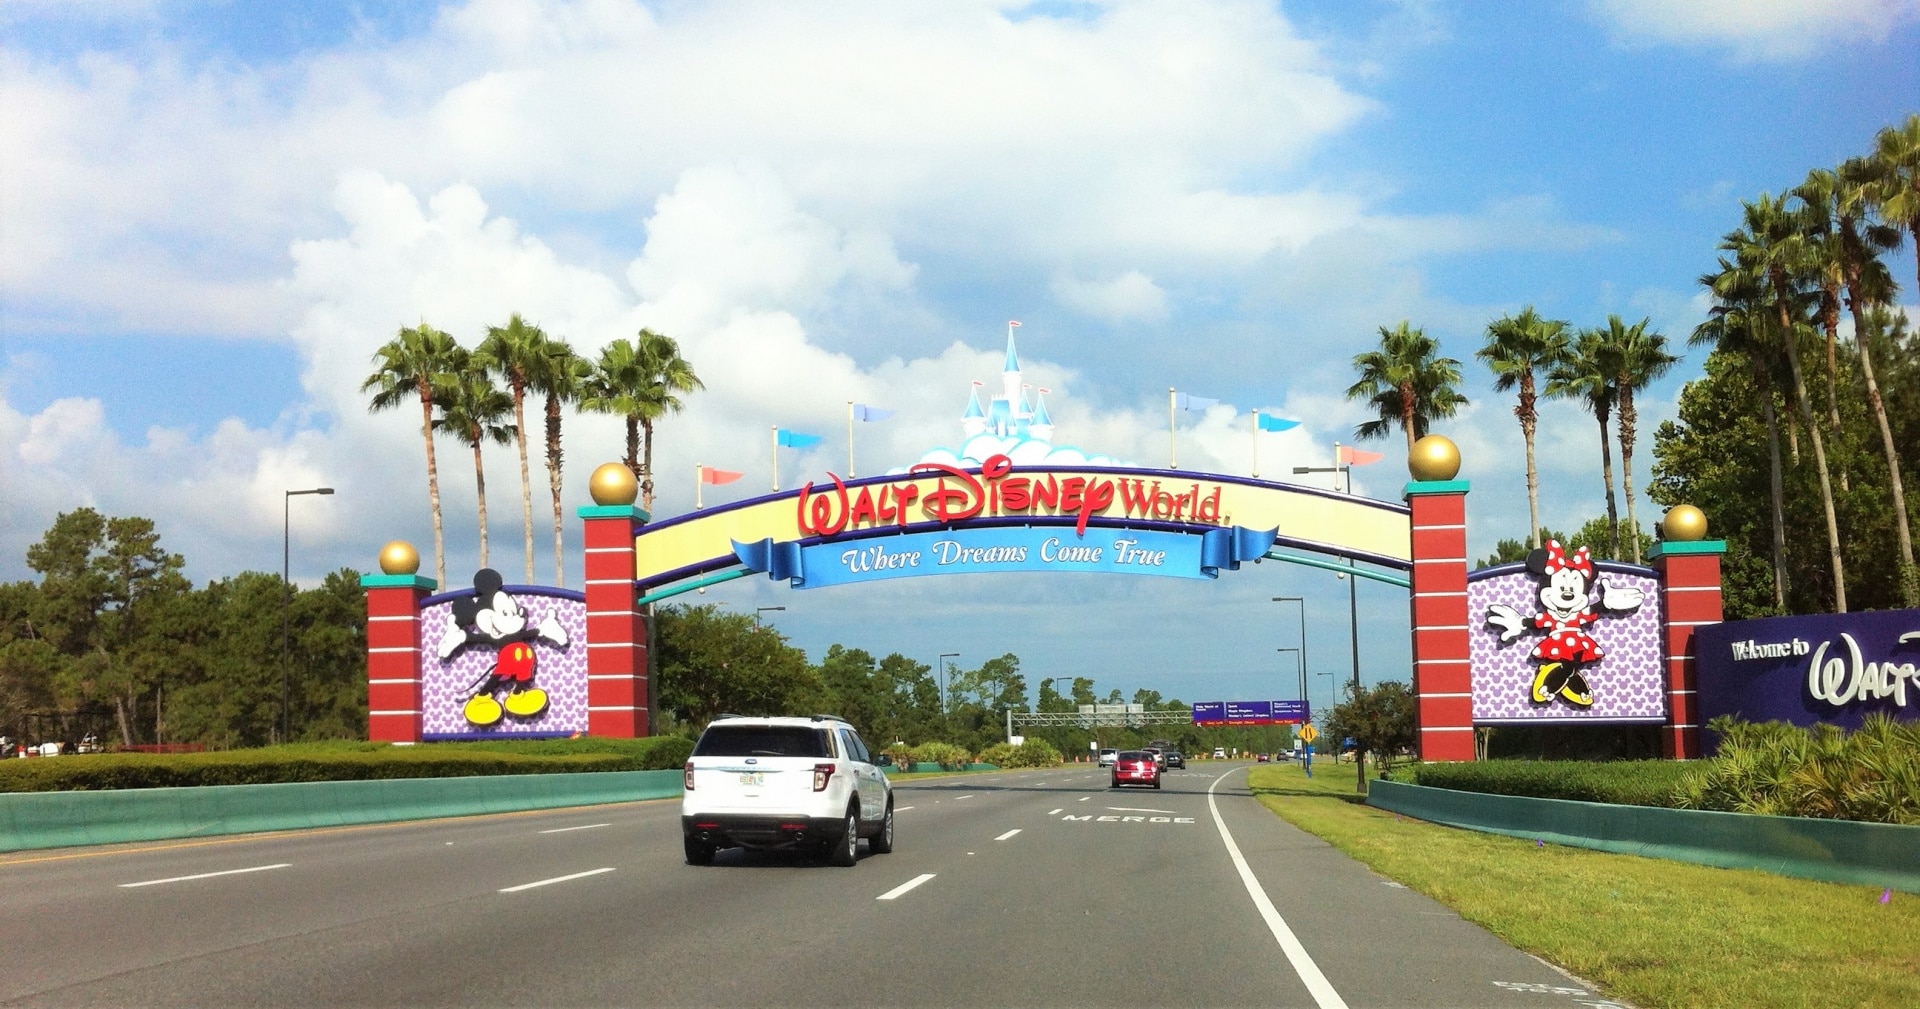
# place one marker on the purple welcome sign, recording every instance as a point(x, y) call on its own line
point(446, 686)
point(1834, 668)
point(1626, 683)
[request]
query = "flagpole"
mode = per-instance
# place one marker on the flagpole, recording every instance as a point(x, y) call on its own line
point(776, 457)
point(849, 439)
point(699, 473)
point(1173, 447)
point(1256, 444)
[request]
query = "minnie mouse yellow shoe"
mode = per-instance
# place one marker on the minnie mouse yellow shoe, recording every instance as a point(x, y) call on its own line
point(1541, 692)
point(527, 703)
point(482, 711)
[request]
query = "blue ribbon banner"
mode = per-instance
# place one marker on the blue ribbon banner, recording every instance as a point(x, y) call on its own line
point(1005, 548)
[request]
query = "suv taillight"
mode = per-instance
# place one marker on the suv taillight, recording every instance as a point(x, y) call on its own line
point(822, 773)
point(686, 777)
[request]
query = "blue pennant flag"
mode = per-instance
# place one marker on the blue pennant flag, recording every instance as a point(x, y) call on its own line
point(864, 412)
point(1195, 403)
point(1271, 423)
point(794, 439)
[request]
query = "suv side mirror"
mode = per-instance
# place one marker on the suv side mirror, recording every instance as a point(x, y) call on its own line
point(883, 760)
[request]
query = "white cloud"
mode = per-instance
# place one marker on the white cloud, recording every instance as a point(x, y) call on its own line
point(1131, 296)
point(1757, 29)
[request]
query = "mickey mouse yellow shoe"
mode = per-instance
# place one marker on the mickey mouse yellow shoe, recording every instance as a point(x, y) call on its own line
point(1542, 695)
point(482, 711)
point(527, 703)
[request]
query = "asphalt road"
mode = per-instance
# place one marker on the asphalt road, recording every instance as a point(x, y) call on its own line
point(1017, 888)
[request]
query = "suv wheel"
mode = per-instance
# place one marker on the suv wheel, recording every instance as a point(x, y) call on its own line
point(882, 842)
point(698, 852)
point(846, 851)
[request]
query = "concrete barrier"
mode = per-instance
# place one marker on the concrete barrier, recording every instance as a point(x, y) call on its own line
point(1836, 851)
point(68, 819)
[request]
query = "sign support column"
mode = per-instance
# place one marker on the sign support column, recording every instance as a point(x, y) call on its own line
point(1442, 679)
point(393, 645)
point(619, 693)
point(1690, 597)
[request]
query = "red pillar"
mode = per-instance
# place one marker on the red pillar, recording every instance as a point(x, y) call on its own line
point(1690, 597)
point(393, 655)
point(618, 690)
point(1442, 681)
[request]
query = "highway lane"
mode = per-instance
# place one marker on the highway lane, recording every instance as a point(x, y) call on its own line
point(1042, 888)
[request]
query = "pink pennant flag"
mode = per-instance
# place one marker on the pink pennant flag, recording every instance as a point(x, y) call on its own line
point(1012, 323)
point(718, 476)
point(1350, 456)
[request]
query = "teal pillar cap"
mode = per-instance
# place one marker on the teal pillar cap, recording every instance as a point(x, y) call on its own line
point(398, 582)
point(1417, 488)
point(1684, 548)
point(634, 512)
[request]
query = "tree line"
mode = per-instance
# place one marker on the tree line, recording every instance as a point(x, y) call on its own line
point(1780, 372)
point(479, 397)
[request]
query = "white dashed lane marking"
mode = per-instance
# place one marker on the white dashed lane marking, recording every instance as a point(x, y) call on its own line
point(901, 809)
point(205, 875)
point(562, 830)
point(556, 879)
point(908, 885)
point(1053, 812)
point(1008, 834)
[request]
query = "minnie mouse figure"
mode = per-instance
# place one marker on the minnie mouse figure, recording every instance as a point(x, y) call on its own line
point(493, 617)
point(1567, 606)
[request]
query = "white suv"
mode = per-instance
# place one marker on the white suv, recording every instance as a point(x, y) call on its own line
point(793, 783)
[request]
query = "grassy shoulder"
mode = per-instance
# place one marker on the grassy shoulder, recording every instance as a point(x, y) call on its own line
point(1653, 932)
point(339, 761)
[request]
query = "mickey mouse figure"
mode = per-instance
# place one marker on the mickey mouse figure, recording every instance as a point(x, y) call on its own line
point(493, 617)
point(1567, 606)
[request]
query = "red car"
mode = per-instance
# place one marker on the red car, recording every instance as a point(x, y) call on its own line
point(1135, 767)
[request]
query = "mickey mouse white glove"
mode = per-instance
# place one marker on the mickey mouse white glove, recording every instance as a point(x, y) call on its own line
point(451, 641)
point(1507, 619)
point(1620, 598)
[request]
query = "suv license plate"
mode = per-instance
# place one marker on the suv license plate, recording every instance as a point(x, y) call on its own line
point(754, 778)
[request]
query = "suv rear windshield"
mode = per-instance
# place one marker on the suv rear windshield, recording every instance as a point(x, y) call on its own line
point(762, 741)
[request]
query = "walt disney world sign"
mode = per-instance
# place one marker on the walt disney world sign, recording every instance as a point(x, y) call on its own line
point(941, 519)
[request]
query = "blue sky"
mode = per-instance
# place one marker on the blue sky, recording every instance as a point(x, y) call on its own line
point(210, 214)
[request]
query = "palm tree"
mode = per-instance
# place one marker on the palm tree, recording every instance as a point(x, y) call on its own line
point(1869, 284)
point(513, 352)
point(1820, 230)
point(1769, 249)
point(472, 407)
point(1406, 384)
point(1517, 346)
point(1737, 325)
point(640, 380)
point(1638, 358)
point(1896, 149)
point(1586, 373)
point(413, 364)
point(559, 375)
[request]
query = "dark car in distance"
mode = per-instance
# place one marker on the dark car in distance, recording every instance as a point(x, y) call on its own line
point(1135, 767)
point(1176, 759)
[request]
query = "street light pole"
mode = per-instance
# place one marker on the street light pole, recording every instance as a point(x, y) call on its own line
point(757, 610)
point(286, 586)
point(1303, 638)
point(1353, 613)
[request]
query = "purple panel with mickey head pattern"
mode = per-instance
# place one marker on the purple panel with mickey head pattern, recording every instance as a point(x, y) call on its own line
point(1627, 684)
point(446, 687)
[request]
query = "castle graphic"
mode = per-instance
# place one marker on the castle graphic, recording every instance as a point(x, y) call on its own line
point(1011, 424)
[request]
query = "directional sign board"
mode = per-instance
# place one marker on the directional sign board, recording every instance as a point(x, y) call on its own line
point(1250, 712)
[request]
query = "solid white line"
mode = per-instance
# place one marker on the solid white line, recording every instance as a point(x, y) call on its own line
point(904, 887)
point(556, 879)
point(1008, 834)
point(205, 875)
point(562, 830)
point(1323, 994)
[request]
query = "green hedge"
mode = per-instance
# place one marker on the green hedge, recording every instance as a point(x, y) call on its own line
point(1627, 782)
point(340, 762)
point(1032, 753)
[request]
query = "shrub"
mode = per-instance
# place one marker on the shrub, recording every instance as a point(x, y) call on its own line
point(1778, 769)
point(947, 755)
point(1627, 782)
point(340, 762)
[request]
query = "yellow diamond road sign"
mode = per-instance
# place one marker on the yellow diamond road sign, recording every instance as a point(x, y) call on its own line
point(1308, 734)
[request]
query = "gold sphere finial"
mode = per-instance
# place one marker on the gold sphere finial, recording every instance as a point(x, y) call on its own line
point(399, 558)
point(613, 484)
point(1434, 457)
point(1684, 523)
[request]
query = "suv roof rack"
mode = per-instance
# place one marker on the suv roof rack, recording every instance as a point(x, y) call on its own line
point(830, 718)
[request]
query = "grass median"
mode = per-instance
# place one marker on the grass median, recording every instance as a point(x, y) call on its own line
point(1653, 932)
